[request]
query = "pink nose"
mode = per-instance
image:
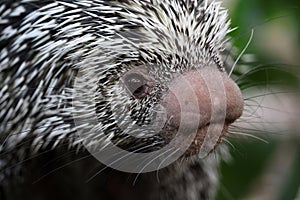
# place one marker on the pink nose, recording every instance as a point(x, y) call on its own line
point(208, 95)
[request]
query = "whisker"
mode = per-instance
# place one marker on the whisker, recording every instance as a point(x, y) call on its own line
point(58, 168)
point(164, 161)
point(243, 51)
point(248, 135)
point(228, 142)
point(117, 160)
point(171, 149)
point(260, 67)
point(267, 94)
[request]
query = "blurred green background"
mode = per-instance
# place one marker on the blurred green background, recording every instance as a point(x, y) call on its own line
point(261, 170)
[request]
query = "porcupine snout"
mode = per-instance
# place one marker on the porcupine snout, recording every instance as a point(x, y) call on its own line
point(205, 101)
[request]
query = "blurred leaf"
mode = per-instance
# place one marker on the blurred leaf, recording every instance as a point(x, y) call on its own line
point(247, 163)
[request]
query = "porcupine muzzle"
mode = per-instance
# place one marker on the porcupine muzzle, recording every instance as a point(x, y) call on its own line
point(201, 104)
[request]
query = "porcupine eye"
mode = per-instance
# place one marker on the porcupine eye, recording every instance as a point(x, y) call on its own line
point(136, 84)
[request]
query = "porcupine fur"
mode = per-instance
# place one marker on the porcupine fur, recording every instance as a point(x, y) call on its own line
point(45, 43)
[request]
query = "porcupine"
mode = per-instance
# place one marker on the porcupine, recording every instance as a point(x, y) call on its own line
point(137, 50)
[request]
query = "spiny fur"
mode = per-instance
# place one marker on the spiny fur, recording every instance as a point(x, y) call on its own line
point(44, 44)
point(47, 43)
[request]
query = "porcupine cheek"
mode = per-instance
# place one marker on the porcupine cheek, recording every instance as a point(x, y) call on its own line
point(205, 101)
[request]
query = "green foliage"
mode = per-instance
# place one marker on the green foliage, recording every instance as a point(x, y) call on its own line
point(249, 158)
point(253, 14)
point(239, 175)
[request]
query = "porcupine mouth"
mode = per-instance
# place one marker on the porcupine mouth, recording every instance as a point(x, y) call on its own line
point(198, 140)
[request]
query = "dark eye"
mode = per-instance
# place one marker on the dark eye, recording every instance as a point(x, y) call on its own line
point(137, 85)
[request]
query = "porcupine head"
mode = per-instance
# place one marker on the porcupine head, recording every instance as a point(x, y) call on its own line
point(152, 88)
point(143, 81)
